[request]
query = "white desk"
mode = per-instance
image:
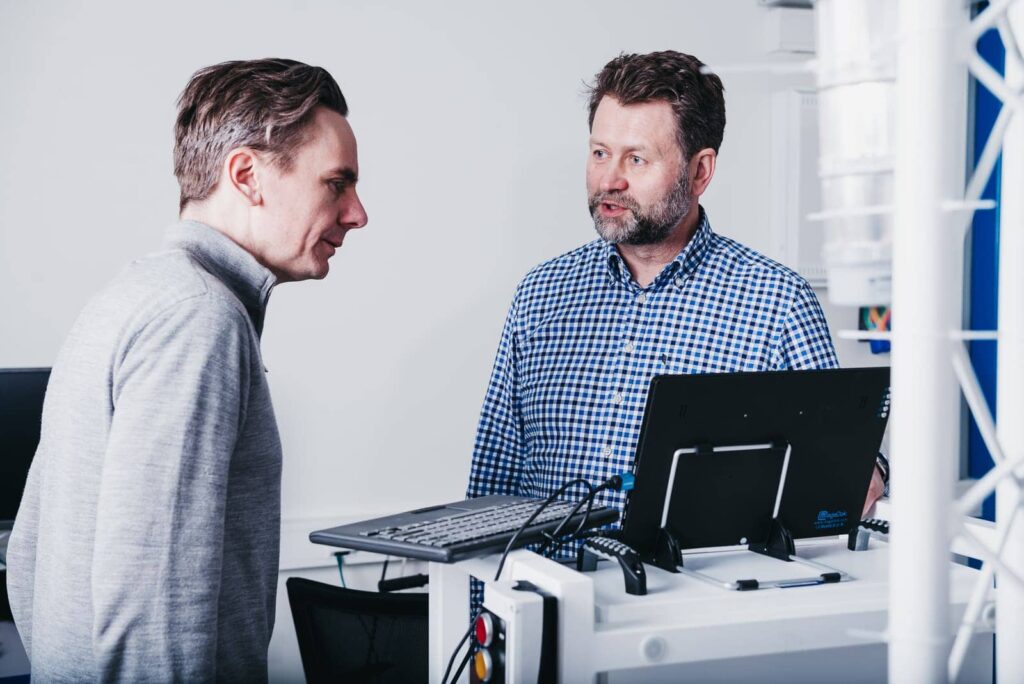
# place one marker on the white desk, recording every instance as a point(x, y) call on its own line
point(686, 629)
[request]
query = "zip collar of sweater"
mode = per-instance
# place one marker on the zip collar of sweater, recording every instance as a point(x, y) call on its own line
point(230, 263)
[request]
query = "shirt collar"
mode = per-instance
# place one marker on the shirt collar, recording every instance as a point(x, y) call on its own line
point(685, 263)
point(230, 263)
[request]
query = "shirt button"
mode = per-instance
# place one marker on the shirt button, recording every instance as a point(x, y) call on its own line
point(641, 298)
point(628, 347)
point(679, 281)
point(607, 451)
point(617, 398)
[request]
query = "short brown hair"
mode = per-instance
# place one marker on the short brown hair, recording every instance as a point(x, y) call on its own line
point(696, 97)
point(264, 104)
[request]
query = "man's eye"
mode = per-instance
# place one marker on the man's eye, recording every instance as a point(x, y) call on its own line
point(600, 154)
point(338, 186)
point(635, 160)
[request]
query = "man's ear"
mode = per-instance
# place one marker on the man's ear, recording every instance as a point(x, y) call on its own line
point(240, 168)
point(702, 166)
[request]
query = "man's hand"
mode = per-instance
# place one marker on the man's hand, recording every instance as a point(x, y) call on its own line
point(875, 492)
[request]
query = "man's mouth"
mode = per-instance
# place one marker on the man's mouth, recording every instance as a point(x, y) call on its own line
point(612, 209)
point(611, 205)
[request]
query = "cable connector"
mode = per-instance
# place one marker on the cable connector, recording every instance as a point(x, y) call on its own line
point(623, 482)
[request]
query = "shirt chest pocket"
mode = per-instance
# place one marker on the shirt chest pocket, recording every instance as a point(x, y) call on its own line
point(707, 355)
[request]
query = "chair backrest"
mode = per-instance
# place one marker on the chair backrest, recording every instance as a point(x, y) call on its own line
point(21, 409)
point(346, 635)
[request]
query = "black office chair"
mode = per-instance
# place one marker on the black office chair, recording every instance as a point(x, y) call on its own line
point(346, 635)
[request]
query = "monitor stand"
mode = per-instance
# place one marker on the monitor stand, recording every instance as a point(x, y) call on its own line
point(777, 544)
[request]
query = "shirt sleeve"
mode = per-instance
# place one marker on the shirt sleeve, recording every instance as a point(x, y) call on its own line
point(179, 397)
point(500, 443)
point(805, 342)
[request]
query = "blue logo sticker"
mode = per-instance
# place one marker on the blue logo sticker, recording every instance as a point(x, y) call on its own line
point(830, 520)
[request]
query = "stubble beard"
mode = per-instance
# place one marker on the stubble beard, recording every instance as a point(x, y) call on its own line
point(641, 226)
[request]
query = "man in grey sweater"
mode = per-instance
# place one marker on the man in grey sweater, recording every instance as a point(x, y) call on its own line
point(146, 546)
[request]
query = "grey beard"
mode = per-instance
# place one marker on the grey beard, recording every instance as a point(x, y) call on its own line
point(640, 227)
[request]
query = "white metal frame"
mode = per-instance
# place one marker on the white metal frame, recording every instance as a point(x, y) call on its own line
point(929, 357)
point(925, 441)
point(936, 41)
point(1010, 357)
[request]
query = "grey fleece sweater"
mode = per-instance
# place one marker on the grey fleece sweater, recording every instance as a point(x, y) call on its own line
point(146, 547)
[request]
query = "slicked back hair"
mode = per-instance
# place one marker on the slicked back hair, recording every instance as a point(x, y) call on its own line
point(264, 104)
point(673, 77)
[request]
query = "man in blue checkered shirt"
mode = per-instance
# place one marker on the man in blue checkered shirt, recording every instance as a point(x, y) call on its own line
point(659, 292)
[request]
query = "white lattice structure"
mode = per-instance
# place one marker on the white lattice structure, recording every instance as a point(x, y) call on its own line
point(1003, 556)
point(934, 45)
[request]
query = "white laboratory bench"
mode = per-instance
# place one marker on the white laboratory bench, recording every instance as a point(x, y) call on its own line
point(686, 629)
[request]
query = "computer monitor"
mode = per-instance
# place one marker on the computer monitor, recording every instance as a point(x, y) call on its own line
point(819, 431)
point(21, 410)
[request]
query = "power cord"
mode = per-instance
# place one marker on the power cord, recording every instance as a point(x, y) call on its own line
point(458, 647)
point(501, 564)
point(621, 482)
point(529, 521)
point(553, 537)
point(462, 665)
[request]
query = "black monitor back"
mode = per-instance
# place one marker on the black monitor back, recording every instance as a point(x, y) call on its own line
point(21, 409)
point(833, 419)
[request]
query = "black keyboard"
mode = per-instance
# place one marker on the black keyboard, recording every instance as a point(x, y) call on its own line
point(463, 529)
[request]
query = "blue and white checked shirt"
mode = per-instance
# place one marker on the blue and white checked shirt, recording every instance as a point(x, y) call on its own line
point(582, 341)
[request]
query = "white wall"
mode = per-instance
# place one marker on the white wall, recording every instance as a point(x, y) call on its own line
point(472, 131)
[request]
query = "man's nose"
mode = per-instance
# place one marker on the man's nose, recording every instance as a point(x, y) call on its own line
point(353, 214)
point(613, 179)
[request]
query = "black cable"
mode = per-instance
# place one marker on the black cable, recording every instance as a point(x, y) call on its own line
point(529, 521)
point(552, 537)
point(458, 647)
point(501, 564)
point(611, 483)
point(614, 482)
point(575, 534)
point(384, 570)
point(462, 665)
point(590, 507)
